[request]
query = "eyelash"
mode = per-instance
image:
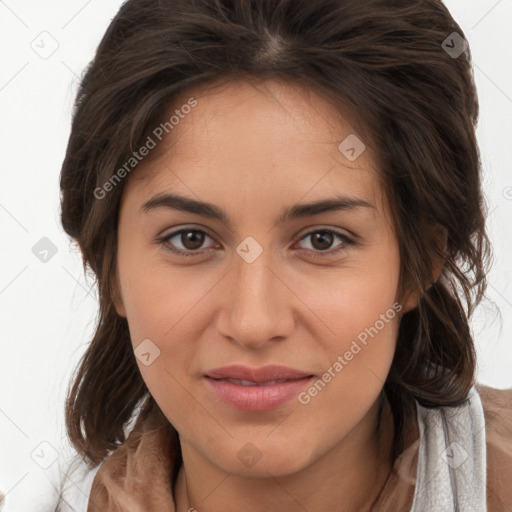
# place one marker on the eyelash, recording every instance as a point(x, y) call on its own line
point(347, 243)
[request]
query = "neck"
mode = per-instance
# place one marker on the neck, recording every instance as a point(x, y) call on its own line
point(348, 478)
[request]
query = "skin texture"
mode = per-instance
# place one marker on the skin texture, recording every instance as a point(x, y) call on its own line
point(254, 151)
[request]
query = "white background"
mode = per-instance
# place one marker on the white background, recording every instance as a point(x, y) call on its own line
point(48, 309)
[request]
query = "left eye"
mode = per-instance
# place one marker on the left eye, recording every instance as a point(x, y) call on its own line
point(322, 240)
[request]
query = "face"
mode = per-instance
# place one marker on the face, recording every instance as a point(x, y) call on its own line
point(314, 291)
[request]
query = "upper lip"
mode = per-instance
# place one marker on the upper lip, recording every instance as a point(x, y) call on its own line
point(263, 374)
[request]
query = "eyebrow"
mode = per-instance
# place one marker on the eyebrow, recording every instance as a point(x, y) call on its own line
point(186, 204)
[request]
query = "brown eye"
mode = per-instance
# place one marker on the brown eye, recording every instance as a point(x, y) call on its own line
point(192, 240)
point(320, 241)
point(185, 242)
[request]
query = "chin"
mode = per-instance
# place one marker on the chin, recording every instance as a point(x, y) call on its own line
point(261, 458)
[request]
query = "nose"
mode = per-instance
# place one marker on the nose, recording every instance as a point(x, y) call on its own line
point(259, 305)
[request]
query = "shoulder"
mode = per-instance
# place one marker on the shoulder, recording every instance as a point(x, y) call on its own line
point(497, 406)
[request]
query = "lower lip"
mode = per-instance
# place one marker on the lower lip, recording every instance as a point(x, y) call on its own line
point(257, 398)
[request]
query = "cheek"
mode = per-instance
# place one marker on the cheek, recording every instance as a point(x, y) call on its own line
point(360, 345)
point(169, 308)
point(351, 301)
point(165, 308)
point(358, 349)
point(359, 317)
point(159, 300)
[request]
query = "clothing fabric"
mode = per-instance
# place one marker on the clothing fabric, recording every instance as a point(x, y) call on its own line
point(451, 463)
point(457, 459)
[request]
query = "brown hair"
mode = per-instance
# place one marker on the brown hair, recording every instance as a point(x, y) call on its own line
point(416, 104)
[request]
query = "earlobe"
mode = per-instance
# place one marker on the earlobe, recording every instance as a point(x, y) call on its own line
point(119, 305)
point(409, 303)
point(440, 238)
point(117, 298)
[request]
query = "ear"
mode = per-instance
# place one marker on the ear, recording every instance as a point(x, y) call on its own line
point(117, 297)
point(439, 237)
point(409, 302)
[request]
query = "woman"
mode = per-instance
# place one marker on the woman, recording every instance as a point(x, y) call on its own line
point(281, 202)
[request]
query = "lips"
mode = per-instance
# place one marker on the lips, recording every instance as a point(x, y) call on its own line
point(256, 390)
point(257, 375)
point(242, 382)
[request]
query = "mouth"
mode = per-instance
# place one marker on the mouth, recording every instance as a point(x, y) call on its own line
point(242, 382)
point(256, 390)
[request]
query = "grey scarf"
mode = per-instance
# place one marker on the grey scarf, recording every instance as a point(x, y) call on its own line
point(451, 471)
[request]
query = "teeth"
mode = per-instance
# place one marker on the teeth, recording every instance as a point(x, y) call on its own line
point(250, 383)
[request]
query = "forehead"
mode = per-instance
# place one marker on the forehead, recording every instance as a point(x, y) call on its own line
point(254, 137)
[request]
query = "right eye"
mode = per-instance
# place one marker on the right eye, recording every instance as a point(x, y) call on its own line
point(190, 240)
